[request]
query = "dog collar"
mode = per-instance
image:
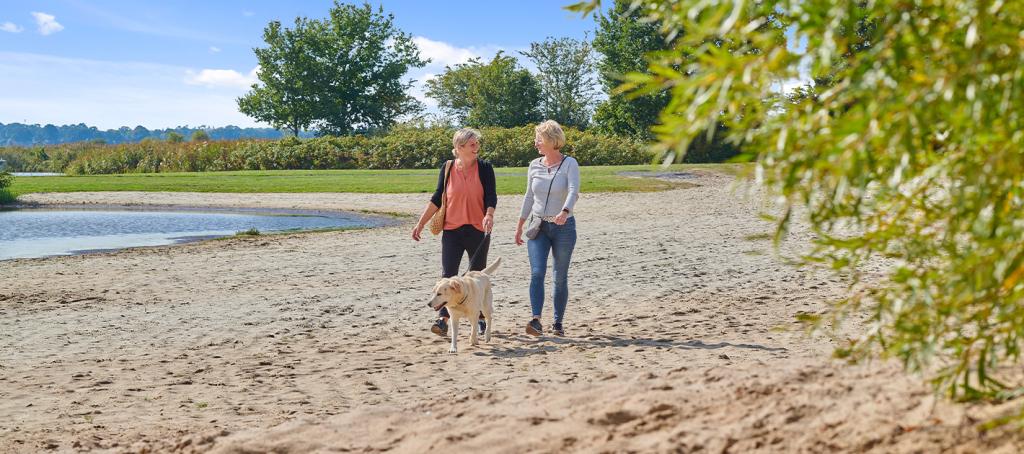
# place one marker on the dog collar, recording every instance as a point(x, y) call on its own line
point(463, 300)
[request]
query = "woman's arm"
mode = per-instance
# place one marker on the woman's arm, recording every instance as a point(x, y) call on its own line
point(519, 231)
point(432, 206)
point(490, 195)
point(572, 175)
point(524, 212)
point(490, 186)
point(436, 198)
point(428, 212)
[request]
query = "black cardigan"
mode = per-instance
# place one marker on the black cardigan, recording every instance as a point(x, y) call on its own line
point(486, 172)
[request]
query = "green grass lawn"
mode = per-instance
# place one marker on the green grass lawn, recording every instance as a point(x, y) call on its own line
point(510, 180)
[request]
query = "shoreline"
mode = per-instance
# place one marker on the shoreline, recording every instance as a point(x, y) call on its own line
point(178, 238)
point(384, 219)
point(307, 342)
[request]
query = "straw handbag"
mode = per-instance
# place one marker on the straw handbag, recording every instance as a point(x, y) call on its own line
point(437, 221)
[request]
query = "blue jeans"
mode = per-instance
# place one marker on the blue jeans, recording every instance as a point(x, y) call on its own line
point(559, 240)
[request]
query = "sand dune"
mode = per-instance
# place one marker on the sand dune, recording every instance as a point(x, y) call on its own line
point(319, 342)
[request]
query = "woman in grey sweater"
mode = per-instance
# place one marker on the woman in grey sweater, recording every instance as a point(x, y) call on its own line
point(552, 188)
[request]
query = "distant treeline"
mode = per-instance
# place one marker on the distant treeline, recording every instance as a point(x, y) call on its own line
point(401, 148)
point(27, 135)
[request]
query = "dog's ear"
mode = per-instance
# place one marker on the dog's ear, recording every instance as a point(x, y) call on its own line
point(456, 285)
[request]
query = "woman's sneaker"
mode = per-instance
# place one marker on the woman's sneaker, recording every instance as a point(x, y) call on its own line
point(557, 330)
point(481, 326)
point(533, 328)
point(440, 327)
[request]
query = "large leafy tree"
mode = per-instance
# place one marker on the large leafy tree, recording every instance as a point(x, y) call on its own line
point(566, 75)
point(498, 93)
point(337, 75)
point(624, 41)
point(911, 151)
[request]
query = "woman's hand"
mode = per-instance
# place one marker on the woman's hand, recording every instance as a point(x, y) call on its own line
point(519, 235)
point(416, 231)
point(561, 218)
point(488, 222)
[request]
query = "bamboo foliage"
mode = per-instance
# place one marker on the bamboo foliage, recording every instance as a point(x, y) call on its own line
point(907, 148)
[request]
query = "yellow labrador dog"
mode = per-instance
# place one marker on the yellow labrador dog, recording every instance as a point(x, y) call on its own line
point(466, 297)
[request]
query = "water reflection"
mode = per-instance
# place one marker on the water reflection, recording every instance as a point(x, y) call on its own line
point(27, 233)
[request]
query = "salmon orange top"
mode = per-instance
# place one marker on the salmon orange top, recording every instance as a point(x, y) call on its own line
point(465, 198)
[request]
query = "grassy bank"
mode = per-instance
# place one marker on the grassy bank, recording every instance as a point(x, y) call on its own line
point(509, 180)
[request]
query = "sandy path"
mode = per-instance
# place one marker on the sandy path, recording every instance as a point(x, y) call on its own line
point(319, 341)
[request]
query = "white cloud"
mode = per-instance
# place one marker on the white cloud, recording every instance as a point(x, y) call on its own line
point(214, 49)
point(442, 53)
point(10, 27)
point(802, 79)
point(248, 13)
point(47, 23)
point(418, 90)
point(221, 78)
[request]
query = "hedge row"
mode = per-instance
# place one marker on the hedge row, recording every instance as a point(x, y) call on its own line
point(402, 148)
point(5, 194)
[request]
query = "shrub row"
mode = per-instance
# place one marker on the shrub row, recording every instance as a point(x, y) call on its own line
point(5, 194)
point(402, 148)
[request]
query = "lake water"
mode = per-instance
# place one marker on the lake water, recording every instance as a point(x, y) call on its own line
point(28, 233)
point(36, 174)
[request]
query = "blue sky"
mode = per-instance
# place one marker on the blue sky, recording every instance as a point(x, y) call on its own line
point(162, 64)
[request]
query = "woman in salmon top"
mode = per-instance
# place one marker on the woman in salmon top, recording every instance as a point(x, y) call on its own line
point(471, 198)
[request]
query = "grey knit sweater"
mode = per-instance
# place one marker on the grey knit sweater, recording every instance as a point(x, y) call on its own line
point(564, 184)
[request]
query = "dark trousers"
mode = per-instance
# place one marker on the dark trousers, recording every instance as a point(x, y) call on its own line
point(457, 243)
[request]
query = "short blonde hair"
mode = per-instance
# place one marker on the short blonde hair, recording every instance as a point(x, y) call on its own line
point(462, 136)
point(552, 133)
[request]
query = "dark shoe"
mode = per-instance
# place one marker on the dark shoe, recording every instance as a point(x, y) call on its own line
point(557, 330)
point(440, 327)
point(533, 328)
point(482, 326)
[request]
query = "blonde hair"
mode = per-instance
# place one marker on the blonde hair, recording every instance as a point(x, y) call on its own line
point(462, 136)
point(552, 133)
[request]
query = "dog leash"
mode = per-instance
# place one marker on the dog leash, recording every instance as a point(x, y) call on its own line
point(483, 242)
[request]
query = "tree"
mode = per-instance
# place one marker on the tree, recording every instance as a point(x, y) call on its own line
point(499, 93)
point(338, 74)
point(912, 152)
point(139, 133)
point(50, 134)
point(565, 68)
point(27, 135)
point(173, 137)
point(6, 179)
point(200, 136)
point(624, 41)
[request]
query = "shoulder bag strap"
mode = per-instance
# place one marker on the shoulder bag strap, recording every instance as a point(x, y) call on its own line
point(444, 187)
point(552, 184)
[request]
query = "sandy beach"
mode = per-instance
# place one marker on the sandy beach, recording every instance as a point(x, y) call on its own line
point(676, 341)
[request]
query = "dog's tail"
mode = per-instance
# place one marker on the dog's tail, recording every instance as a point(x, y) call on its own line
point(492, 267)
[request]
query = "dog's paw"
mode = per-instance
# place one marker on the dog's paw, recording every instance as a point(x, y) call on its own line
point(453, 350)
point(487, 339)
